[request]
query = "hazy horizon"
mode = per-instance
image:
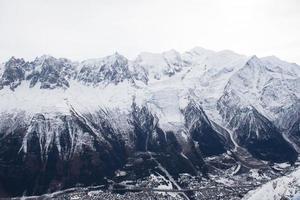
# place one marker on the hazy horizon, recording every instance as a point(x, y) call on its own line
point(90, 29)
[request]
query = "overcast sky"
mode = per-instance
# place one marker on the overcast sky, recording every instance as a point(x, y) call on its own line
point(80, 29)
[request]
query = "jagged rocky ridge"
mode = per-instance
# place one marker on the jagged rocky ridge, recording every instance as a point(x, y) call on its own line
point(65, 123)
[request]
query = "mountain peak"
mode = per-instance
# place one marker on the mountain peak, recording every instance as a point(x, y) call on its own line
point(200, 49)
point(253, 57)
point(116, 56)
point(146, 121)
point(254, 61)
point(230, 53)
point(14, 60)
point(45, 56)
point(171, 51)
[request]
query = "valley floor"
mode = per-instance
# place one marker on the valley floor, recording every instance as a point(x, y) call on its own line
point(252, 185)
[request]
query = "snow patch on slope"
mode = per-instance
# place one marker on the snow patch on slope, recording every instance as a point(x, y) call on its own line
point(286, 186)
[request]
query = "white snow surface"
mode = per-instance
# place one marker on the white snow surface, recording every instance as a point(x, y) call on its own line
point(204, 75)
point(286, 186)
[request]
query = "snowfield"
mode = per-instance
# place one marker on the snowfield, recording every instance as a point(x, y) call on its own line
point(287, 186)
point(203, 113)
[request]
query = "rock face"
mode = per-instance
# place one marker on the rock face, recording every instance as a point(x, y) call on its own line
point(49, 72)
point(59, 151)
point(210, 140)
point(257, 134)
point(46, 71)
point(14, 73)
point(65, 123)
point(111, 69)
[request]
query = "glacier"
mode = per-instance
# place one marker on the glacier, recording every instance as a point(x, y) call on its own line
point(68, 122)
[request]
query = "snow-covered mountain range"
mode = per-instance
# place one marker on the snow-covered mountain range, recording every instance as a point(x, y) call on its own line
point(65, 122)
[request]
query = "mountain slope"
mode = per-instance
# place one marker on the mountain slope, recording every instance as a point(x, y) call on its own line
point(199, 112)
